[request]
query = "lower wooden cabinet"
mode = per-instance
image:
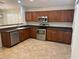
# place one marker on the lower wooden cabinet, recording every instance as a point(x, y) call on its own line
point(6, 41)
point(24, 34)
point(68, 37)
point(10, 38)
point(28, 33)
point(59, 35)
point(33, 32)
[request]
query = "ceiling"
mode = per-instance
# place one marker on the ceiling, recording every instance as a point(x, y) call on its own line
point(48, 3)
point(8, 4)
point(38, 3)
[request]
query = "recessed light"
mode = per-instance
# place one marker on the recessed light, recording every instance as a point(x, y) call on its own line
point(19, 1)
point(31, 0)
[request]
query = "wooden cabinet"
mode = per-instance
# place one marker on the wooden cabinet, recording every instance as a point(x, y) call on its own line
point(33, 32)
point(61, 16)
point(59, 35)
point(53, 16)
point(31, 16)
point(28, 33)
point(67, 15)
point(28, 16)
point(68, 36)
point(10, 38)
point(35, 16)
point(6, 41)
point(51, 34)
point(24, 34)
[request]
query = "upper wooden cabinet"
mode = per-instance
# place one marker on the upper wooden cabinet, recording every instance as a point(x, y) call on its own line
point(28, 16)
point(32, 16)
point(35, 16)
point(67, 16)
point(61, 16)
point(53, 16)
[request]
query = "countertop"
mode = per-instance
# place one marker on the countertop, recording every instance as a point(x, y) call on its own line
point(36, 24)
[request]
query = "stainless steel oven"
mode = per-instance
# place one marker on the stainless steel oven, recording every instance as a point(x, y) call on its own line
point(41, 34)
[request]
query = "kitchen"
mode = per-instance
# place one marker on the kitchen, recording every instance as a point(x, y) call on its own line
point(52, 22)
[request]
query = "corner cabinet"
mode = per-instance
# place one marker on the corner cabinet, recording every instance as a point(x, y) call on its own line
point(24, 34)
point(14, 36)
point(33, 32)
point(59, 35)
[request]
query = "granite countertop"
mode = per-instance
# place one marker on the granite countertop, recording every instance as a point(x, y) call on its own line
point(36, 24)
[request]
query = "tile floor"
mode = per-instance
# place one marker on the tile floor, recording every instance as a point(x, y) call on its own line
point(35, 49)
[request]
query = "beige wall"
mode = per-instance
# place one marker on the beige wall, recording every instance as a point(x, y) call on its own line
point(22, 14)
point(9, 17)
point(75, 41)
point(15, 16)
point(51, 8)
point(12, 16)
point(1, 19)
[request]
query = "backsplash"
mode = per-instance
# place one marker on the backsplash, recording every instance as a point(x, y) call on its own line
point(56, 24)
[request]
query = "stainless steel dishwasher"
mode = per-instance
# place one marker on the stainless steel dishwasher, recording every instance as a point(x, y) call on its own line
point(14, 36)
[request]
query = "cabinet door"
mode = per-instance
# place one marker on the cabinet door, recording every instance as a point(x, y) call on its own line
point(67, 15)
point(51, 35)
point(6, 41)
point(59, 35)
point(35, 16)
point(33, 32)
point(67, 37)
point(54, 16)
point(24, 34)
point(28, 16)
